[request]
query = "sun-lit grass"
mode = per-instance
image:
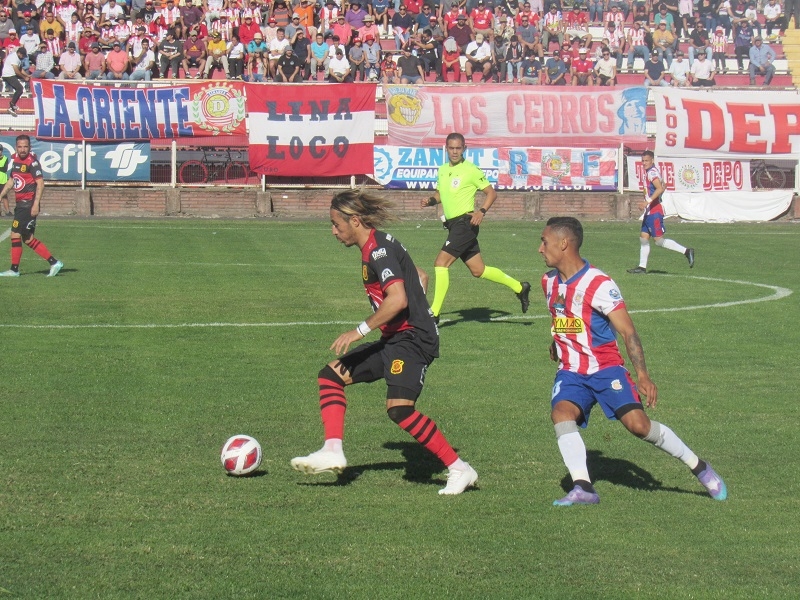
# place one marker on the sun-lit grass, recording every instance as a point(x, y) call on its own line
point(123, 376)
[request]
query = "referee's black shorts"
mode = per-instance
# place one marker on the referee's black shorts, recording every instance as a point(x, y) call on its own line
point(462, 239)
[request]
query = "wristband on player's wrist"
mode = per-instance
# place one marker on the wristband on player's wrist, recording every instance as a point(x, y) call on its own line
point(483, 210)
point(363, 328)
point(432, 201)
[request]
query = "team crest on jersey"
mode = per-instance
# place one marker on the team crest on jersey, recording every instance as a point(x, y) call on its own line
point(385, 274)
point(397, 367)
point(578, 299)
point(560, 305)
point(364, 274)
point(23, 169)
point(567, 325)
point(614, 293)
point(616, 385)
point(379, 253)
point(455, 183)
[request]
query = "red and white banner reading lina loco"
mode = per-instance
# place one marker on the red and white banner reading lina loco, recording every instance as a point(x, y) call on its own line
point(526, 116)
point(694, 174)
point(306, 130)
point(68, 111)
point(731, 124)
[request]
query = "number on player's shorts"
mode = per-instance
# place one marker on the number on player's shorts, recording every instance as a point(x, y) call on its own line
point(556, 388)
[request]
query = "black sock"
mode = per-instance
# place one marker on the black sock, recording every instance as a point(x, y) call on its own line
point(701, 466)
point(52, 260)
point(586, 486)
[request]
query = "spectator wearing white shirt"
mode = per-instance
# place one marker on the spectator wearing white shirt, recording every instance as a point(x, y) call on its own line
point(679, 71)
point(701, 73)
point(479, 58)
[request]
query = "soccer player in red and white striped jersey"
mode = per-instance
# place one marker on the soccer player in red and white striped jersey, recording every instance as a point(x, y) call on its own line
point(588, 312)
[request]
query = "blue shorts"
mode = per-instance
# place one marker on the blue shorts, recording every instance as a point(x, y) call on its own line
point(612, 388)
point(653, 224)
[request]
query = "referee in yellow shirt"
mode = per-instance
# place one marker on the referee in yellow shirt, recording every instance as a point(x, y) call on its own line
point(457, 184)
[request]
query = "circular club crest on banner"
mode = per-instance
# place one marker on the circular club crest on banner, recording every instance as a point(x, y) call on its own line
point(689, 177)
point(218, 109)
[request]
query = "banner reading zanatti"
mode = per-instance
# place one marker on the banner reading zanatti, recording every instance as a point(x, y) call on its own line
point(311, 130)
point(496, 115)
point(67, 111)
point(729, 124)
point(694, 174)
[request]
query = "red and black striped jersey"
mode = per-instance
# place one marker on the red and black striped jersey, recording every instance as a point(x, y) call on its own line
point(25, 172)
point(385, 262)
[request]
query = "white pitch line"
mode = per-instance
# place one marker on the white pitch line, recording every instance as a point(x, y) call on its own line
point(5, 234)
point(778, 293)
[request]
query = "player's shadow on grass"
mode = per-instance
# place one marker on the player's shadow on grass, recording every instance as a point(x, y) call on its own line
point(625, 473)
point(420, 466)
point(480, 314)
point(61, 272)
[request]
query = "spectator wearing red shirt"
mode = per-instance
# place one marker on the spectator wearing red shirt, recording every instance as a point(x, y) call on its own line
point(248, 30)
point(582, 69)
point(481, 19)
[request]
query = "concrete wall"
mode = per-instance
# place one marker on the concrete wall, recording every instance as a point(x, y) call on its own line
point(109, 201)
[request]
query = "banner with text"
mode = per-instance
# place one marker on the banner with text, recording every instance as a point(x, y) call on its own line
point(414, 168)
point(694, 175)
point(731, 124)
point(501, 115)
point(557, 169)
point(75, 112)
point(64, 161)
point(312, 130)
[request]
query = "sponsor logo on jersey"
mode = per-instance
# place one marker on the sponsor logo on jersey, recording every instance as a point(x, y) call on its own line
point(385, 274)
point(616, 385)
point(379, 254)
point(614, 293)
point(560, 304)
point(364, 274)
point(455, 183)
point(397, 367)
point(567, 325)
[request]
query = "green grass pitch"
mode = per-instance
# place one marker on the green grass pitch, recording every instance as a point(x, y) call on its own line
point(123, 376)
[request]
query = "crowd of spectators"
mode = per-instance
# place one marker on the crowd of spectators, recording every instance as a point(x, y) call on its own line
point(532, 42)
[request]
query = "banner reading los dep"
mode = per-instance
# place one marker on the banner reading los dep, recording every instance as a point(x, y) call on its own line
point(525, 116)
point(76, 112)
point(312, 130)
point(727, 124)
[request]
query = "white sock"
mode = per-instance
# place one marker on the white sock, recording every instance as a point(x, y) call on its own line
point(663, 437)
point(333, 445)
point(644, 252)
point(459, 465)
point(573, 451)
point(673, 245)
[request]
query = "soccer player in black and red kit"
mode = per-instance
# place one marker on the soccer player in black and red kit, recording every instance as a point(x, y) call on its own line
point(27, 180)
point(408, 345)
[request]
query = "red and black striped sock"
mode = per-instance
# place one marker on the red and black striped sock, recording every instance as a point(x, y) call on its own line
point(424, 430)
point(332, 403)
point(16, 254)
point(40, 249)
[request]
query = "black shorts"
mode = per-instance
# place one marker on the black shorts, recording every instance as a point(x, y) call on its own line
point(193, 61)
point(462, 241)
point(23, 224)
point(398, 360)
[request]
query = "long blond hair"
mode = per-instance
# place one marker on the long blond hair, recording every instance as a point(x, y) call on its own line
point(374, 211)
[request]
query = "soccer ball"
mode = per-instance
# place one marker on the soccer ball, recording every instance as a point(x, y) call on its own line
point(241, 455)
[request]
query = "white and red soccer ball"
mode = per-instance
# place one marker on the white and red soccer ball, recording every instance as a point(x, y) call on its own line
point(241, 455)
